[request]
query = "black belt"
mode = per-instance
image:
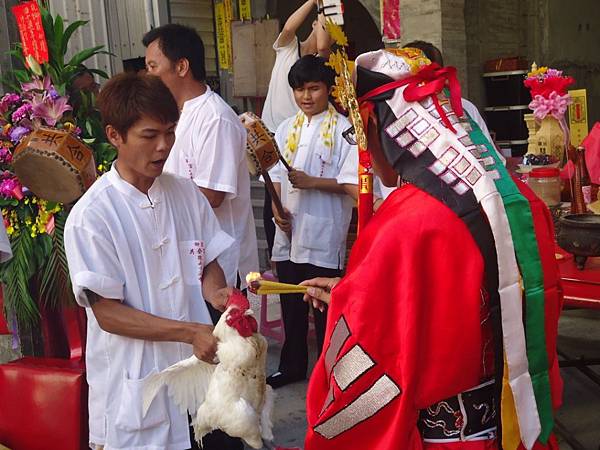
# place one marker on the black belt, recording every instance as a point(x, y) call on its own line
point(468, 416)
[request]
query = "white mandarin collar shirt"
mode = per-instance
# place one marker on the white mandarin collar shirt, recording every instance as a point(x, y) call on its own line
point(320, 219)
point(149, 252)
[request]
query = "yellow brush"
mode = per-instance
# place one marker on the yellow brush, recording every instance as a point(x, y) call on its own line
point(260, 286)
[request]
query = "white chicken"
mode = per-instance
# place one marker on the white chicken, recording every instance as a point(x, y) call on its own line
point(232, 395)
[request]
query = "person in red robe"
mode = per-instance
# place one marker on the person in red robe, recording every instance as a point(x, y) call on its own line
point(420, 327)
point(407, 330)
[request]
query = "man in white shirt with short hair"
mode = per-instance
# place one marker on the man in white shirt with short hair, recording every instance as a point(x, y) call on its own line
point(142, 248)
point(310, 240)
point(210, 142)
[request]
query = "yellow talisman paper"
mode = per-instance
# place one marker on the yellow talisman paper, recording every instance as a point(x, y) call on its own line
point(578, 117)
point(245, 8)
point(223, 32)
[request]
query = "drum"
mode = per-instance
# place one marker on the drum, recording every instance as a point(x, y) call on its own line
point(262, 151)
point(54, 165)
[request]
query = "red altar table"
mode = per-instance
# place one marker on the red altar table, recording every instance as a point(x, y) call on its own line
point(581, 287)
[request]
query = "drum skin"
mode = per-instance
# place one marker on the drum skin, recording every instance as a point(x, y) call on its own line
point(261, 148)
point(54, 165)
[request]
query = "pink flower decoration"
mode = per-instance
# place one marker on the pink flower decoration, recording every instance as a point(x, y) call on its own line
point(7, 101)
point(5, 155)
point(11, 188)
point(49, 109)
point(21, 112)
point(555, 105)
point(36, 84)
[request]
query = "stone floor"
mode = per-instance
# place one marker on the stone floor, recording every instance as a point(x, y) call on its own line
point(579, 335)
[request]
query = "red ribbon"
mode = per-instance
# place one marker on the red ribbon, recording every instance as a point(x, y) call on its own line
point(428, 82)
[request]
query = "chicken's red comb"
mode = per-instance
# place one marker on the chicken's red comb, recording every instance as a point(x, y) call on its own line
point(238, 300)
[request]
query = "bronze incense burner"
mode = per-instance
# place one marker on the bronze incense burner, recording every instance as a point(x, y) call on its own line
point(580, 235)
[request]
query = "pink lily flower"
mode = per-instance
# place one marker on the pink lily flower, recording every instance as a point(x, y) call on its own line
point(49, 109)
point(37, 84)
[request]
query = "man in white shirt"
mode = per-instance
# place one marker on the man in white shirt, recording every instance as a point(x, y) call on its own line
point(142, 249)
point(210, 142)
point(310, 240)
point(280, 104)
point(435, 55)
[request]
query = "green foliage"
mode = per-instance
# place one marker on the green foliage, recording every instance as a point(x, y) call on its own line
point(55, 284)
point(16, 275)
point(38, 270)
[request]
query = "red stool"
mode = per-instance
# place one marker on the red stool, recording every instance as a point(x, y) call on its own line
point(44, 400)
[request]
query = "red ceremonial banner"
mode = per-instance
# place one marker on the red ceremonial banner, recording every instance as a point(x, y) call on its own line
point(390, 20)
point(33, 38)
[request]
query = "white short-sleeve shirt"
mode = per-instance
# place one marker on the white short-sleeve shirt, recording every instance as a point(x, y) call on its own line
point(320, 219)
point(148, 251)
point(210, 149)
point(473, 112)
point(280, 103)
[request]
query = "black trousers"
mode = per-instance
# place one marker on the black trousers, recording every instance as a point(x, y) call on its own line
point(294, 353)
point(217, 440)
point(268, 221)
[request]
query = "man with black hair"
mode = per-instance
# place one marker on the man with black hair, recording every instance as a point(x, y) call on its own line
point(280, 103)
point(310, 239)
point(210, 141)
point(435, 56)
point(142, 248)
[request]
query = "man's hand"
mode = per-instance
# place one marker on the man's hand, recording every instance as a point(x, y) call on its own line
point(300, 180)
point(219, 299)
point(204, 343)
point(284, 223)
point(319, 291)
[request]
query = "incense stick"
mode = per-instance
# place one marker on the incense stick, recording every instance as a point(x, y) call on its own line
point(260, 286)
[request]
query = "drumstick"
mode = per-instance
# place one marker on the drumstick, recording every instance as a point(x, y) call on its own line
point(275, 198)
point(285, 163)
point(273, 192)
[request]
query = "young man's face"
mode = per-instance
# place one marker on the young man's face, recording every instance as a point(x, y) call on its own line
point(142, 155)
point(312, 97)
point(159, 65)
